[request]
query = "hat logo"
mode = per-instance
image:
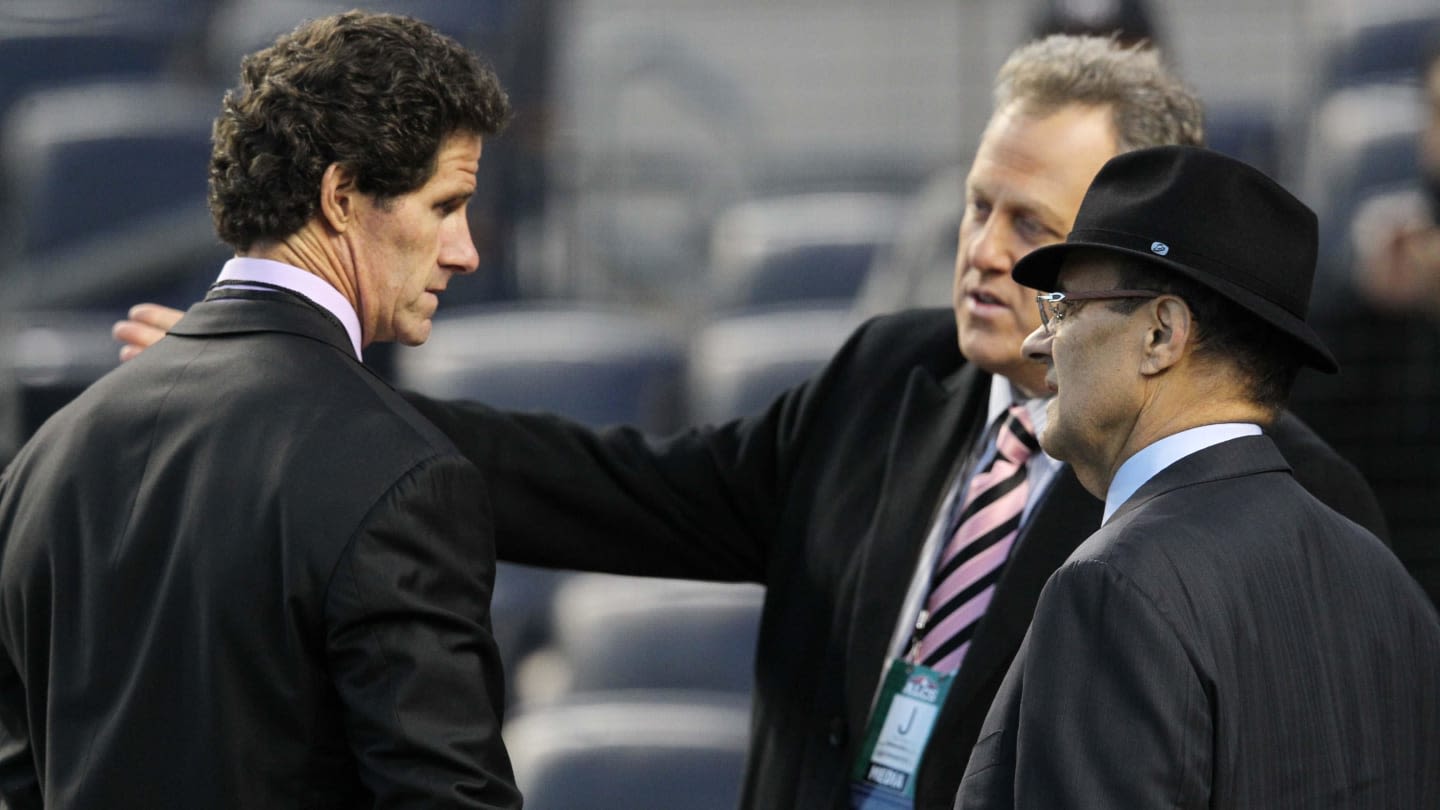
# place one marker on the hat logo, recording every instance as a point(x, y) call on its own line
point(1159, 248)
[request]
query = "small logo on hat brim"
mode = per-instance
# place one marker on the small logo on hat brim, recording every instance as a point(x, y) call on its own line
point(1159, 248)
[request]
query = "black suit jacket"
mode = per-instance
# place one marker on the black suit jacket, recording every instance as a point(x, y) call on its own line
point(826, 498)
point(1225, 640)
point(239, 572)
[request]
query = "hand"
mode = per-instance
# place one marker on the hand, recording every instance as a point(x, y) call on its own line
point(147, 323)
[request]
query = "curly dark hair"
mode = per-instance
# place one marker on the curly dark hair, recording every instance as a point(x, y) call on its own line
point(377, 93)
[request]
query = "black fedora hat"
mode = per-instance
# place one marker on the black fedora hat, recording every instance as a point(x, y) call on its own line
point(1208, 217)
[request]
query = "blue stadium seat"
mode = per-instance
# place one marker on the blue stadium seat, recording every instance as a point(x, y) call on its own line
point(918, 270)
point(88, 158)
point(46, 59)
point(739, 364)
point(801, 248)
point(521, 616)
point(660, 752)
point(597, 366)
point(110, 183)
point(1386, 50)
point(614, 633)
point(173, 19)
point(239, 27)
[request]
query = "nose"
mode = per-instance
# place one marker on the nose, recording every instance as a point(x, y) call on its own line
point(990, 247)
point(1037, 345)
point(457, 248)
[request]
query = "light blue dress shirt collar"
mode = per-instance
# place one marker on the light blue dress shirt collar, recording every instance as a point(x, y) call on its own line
point(309, 286)
point(1155, 457)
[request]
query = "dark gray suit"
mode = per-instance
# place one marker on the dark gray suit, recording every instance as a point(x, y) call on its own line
point(241, 572)
point(825, 498)
point(1225, 640)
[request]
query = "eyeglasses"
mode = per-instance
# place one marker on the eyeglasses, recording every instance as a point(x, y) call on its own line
point(1054, 305)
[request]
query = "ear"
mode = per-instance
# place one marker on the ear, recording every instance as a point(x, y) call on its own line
point(338, 196)
point(1171, 327)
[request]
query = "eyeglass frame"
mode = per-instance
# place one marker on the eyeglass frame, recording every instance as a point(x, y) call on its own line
point(1052, 298)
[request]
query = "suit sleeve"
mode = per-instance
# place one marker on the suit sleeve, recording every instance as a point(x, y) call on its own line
point(706, 503)
point(19, 783)
point(697, 505)
point(411, 650)
point(1114, 713)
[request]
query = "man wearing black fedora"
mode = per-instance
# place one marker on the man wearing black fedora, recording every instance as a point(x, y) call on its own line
point(1224, 639)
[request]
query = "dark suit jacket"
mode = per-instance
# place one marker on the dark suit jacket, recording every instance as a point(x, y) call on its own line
point(241, 572)
point(825, 498)
point(1225, 640)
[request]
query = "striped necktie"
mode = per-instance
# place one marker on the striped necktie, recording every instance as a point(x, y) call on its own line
point(972, 560)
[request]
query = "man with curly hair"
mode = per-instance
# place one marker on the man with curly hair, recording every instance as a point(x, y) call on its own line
point(241, 571)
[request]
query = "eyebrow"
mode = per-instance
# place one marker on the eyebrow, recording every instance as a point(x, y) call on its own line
point(457, 198)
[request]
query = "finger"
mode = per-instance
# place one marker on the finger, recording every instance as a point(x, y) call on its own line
point(138, 335)
point(160, 317)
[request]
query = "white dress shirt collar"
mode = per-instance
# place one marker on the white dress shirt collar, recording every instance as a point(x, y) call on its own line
point(1003, 395)
point(314, 289)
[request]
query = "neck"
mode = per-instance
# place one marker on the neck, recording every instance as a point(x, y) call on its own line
point(310, 250)
point(1171, 409)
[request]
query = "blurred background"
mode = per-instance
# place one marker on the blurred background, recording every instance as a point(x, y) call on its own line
point(694, 205)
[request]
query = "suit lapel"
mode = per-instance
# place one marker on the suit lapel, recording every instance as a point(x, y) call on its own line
point(936, 423)
point(1060, 521)
point(1065, 516)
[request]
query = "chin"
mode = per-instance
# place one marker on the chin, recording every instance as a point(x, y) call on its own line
point(1049, 446)
point(1052, 438)
point(417, 337)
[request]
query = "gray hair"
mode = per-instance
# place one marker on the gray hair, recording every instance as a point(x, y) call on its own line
point(1149, 105)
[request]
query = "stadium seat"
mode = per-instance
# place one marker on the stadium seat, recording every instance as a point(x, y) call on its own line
point(596, 752)
point(239, 27)
point(46, 58)
point(521, 616)
point(740, 363)
point(918, 270)
point(112, 176)
point(1385, 50)
point(596, 366)
point(613, 633)
point(799, 249)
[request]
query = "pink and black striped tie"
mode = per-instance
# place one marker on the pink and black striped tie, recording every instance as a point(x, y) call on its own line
point(972, 560)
